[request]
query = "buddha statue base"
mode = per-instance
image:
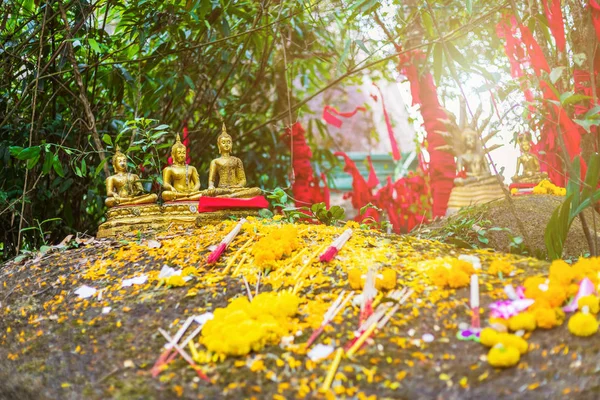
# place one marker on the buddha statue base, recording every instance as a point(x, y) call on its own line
point(521, 189)
point(216, 209)
point(487, 190)
point(215, 217)
point(123, 220)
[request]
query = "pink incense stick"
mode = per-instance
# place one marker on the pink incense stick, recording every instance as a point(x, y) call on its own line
point(336, 246)
point(218, 252)
point(475, 321)
point(337, 306)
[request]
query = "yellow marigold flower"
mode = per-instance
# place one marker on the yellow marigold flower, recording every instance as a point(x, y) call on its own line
point(501, 356)
point(583, 324)
point(458, 278)
point(500, 266)
point(591, 301)
point(352, 224)
point(514, 191)
point(386, 279)
point(510, 340)
point(524, 320)
point(175, 281)
point(561, 273)
point(488, 337)
point(545, 318)
point(280, 242)
point(355, 279)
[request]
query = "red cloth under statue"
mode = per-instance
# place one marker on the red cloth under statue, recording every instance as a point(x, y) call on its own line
point(211, 204)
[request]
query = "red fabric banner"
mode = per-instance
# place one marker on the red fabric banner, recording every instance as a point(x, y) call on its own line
point(555, 21)
point(595, 11)
point(373, 180)
point(210, 204)
point(305, 184)
point(536, 56)
point(330, 112)
point(361, 192)
point(390, 129)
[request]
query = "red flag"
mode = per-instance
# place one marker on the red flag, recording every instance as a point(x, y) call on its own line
point(536, 56)
point(331, 119)
point(555, 21)
point(595, 10)
point(373, 180)
point(388, 123)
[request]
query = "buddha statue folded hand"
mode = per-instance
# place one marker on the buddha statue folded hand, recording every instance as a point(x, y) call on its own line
point(226, 175)
point(531, 166)
point(180, 180)
point(124, 188)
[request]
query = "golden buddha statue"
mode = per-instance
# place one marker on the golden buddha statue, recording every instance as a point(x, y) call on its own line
point(228, 171)
point(124, 188)
point(472, 160)
point(474, 183)
point(529, 162)
point(180, 180)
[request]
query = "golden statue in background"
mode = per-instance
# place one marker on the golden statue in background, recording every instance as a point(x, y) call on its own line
point(529, 162)
point(228, 171)
point(124, 188)
point(474, 183)
point(180, 180)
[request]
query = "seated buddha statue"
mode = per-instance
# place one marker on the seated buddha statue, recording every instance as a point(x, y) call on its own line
point(124, 188)
point(180, 180)
point(472, 160)
point(529, 162)
point(226, 176)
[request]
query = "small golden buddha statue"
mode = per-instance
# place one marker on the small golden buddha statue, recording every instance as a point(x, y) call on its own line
point(180, 180)
point(226, 177)
point(471, 160)
point(529, 162)
point(124, 188)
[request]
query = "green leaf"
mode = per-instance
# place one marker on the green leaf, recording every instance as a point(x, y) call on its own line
point(469, 6)
point(438, 62)
point(591, 176)
point(456, 56)
point(556, 73)
point(586, 123)
point(592, 112)
point(189, 81)
point(58, 167)
point(99, 167)
point(362, 46)
point(25, 153)
point(427, 24)
point(570, 98)
point(160, 127)
point(48, 161)
point(107, 139)
point(94, 45)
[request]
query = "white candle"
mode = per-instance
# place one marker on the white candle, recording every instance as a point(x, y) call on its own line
point(474, 291)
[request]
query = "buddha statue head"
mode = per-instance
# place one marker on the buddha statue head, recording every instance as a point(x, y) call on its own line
point(470, 138)
point(178, 151)
point(119, 161)
point(224, 141)
point(524, 141)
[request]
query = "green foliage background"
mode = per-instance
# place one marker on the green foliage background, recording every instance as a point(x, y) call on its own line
point(204, 62)
point(249, 63)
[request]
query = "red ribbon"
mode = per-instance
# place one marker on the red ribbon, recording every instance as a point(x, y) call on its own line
point(388, 123)
point(555, 21)
point(331, 119)
point(595, 11)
